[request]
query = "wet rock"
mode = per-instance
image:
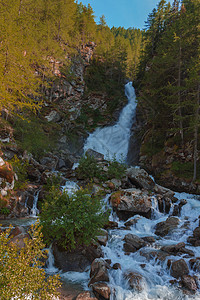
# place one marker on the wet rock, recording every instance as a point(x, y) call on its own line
point(111, 225)
point(195, 238)
point(189, 282)
point(157, 254)
point(163, 228)
point(195, 264)
point(70, 261)
point(149, 239)
point(116, 266)
point(128, 203)
point(177, 249)
point(196, 233)
point(132, 222)
point(102, 238)
point(133, 243)
point(87, 295)
point(140, 178)
point(93, 251)
point(177, 207)
point(109, 261)
point(101, 289)
point(135, 280)
point(164, 191)
point(99, 271)
point(179, 268)
point(76, 260)
point(164, 204)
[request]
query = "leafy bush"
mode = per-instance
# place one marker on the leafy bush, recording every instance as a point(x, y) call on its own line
point(116, 169)
point(21, 274)
point(88, 168)
point(71, 220)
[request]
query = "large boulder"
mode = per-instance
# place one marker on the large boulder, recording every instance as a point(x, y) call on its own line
point(177, 249)
point(140, 178)
point(99, 271)
point(179, 268)
point(195, 238)
point(135, 280)
point(101, 289)
point(133, 243)
point(128, 203)
point(76, 260)
point(163, 228)
point(102, 237)
point(189, 282)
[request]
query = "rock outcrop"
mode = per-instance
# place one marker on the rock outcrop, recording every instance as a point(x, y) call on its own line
point(130, 202)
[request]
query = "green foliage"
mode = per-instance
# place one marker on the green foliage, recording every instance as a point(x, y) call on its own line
point(20, 168)
point(71, 220)
point(185, 170)
point(116, 169)
point(20, 268)
point(31, 137)
point(5, 211)
point(88, 168)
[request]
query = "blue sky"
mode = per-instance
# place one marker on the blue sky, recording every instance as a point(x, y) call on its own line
point(125, 13)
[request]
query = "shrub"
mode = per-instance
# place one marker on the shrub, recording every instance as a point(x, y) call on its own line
point(116, 169)
point(88, 168)
point(71, 220)
point(21, 274)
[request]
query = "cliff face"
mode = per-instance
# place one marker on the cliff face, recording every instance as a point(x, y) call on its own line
point(69, 112)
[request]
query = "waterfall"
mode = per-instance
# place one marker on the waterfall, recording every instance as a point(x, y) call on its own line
point(113, 141)
point(34, 210)
point(51, 269)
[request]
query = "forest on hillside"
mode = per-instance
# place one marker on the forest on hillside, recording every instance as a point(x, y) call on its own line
point(38, 35)
point(168, 80)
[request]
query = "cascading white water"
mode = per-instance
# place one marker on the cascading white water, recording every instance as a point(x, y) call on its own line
point(113, 141)
point(34, 210)
point(155, 273)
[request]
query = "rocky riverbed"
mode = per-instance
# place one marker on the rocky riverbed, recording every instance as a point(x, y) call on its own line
point(148, 250)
